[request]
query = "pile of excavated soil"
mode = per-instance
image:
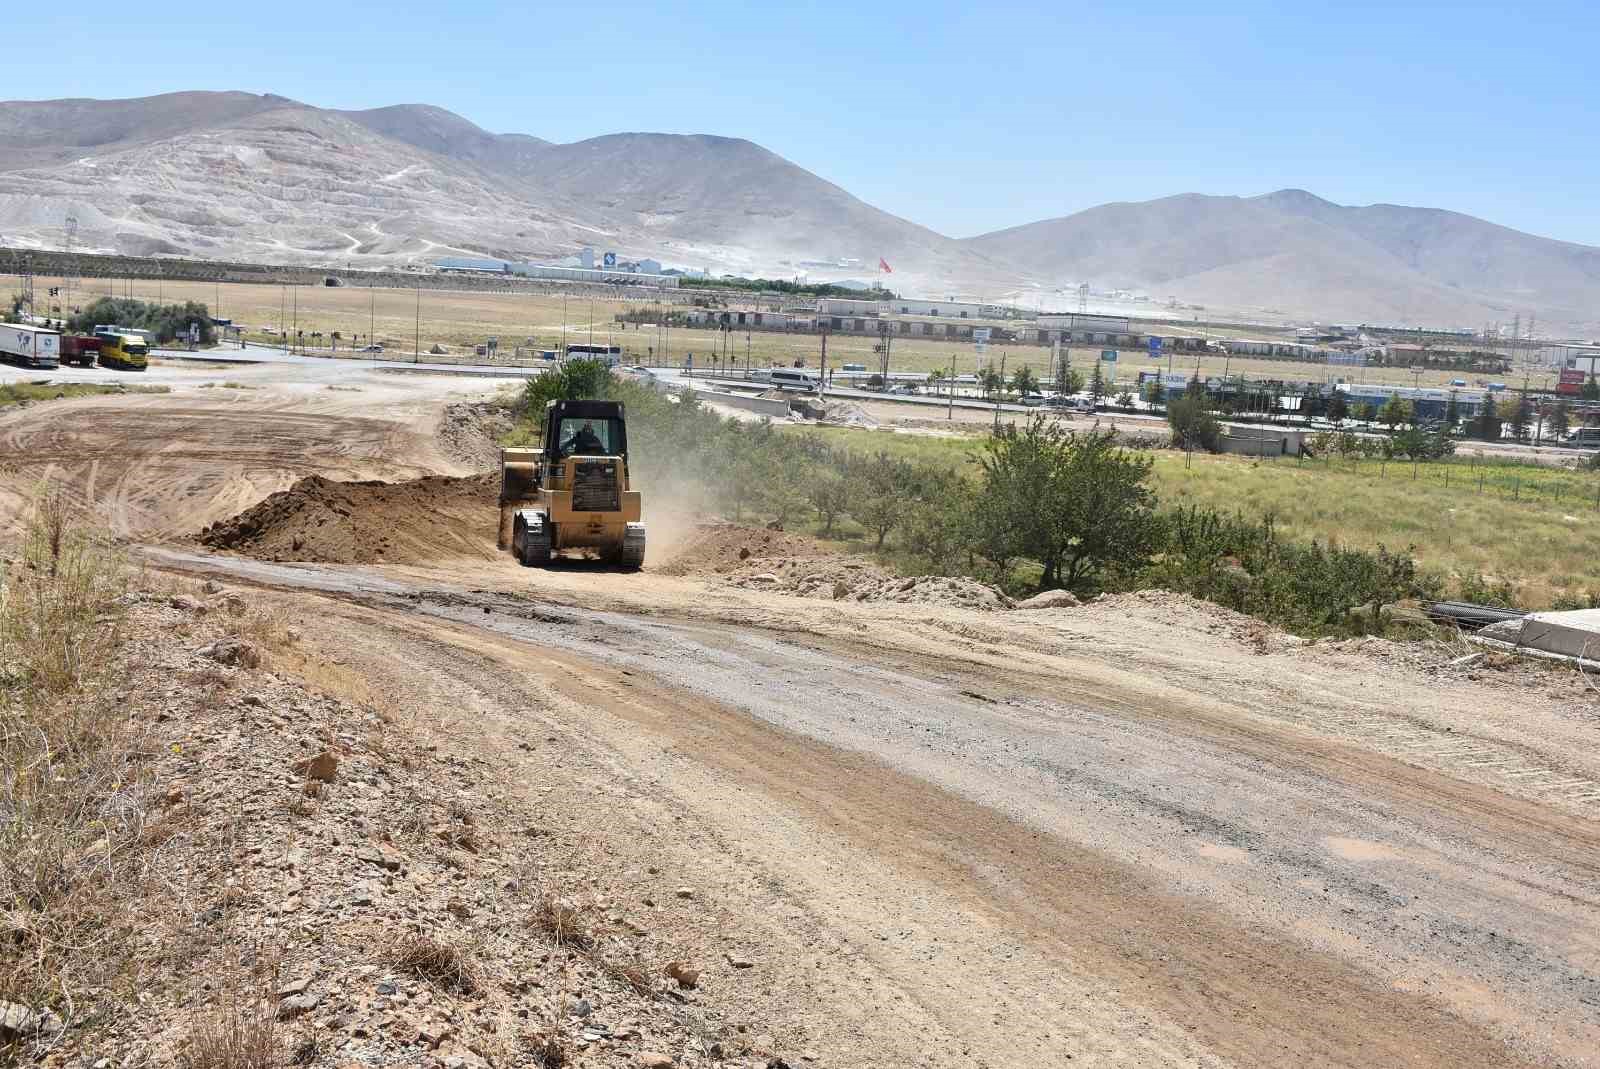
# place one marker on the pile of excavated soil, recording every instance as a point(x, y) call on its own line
point(469, 432)
point(723, 548)
point(754, 558)
point(328, 522)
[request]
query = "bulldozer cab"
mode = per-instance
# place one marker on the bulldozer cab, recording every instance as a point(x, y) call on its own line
point(585, 429)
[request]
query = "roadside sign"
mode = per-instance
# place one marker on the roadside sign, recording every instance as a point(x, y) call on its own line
point(1108, 355)
point(610, 259)
point(1155, 344)
point(980, 338)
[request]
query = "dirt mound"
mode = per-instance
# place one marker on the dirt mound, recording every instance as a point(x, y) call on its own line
point(847, 414)
point(758, 559)
point(411, 522)
point(469, 433)
point(722, 548)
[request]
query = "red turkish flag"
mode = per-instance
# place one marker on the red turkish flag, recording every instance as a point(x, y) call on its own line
point(883, 265)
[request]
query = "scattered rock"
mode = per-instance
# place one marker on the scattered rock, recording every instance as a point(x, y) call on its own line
point(685, 892)
point(686, 976)
point(324, 766)
point(740, 962)
point(184, 602)
point(744, 552)
point(16, 1020)
point(649, 1059)
point(232, 651)
point(294, 987)
point(582, 1008)
point(761, 577)
point(210, 586)
point(1051, 599)
point(296, 1005)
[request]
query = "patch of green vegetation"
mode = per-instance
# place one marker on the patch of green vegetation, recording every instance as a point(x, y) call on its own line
point(29, 393)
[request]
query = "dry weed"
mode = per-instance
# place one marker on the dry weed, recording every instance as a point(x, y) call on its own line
point(239, 1035)
point(562, 923)
point(444, 964)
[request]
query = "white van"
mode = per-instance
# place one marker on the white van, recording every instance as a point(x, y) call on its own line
point(785, 378)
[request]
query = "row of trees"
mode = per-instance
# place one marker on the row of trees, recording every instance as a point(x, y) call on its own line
point(165, 322)
point(1040, 507)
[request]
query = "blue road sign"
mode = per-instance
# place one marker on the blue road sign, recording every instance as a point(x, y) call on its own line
point(1155, 344)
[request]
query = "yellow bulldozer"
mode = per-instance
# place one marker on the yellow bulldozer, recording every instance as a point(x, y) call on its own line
point(575, 492)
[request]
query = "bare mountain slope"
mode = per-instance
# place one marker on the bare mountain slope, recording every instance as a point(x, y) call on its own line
point(1295, 252)
point(288, 184)
point(234, 175)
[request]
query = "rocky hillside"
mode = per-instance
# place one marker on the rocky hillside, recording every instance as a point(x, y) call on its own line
point(231, 175)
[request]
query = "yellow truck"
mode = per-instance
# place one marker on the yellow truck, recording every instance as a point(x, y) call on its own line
point(129, 352)
point(575, 493)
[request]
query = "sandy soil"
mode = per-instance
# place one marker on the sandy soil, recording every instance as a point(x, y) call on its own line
point(1141, 832)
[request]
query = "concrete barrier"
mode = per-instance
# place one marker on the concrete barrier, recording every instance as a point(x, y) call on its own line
point(766, 406)
point(1567, 634)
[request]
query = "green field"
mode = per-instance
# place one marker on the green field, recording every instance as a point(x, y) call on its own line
point(1533, 527)
point(18, 393)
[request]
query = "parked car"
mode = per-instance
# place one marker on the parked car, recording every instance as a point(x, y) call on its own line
point(1032, 400)
point(373, 349)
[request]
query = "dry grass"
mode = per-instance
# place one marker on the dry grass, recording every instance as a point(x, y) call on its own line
point(239, 1035)
point(75, 798)
point(562, 923)
point(441, 963)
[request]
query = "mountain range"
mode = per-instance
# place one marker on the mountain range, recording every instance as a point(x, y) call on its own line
point(265, 178)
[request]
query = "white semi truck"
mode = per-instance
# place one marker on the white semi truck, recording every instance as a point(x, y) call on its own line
point(30, 346)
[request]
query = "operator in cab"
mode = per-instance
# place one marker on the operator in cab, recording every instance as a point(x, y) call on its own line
point(585, 442)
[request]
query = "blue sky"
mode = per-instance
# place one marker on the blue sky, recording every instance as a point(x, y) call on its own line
point(962, 118)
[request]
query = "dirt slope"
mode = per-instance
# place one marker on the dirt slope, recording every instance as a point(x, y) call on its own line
point(411, 522)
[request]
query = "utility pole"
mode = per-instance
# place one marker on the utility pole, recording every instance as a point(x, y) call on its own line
point(372, 298)
point(562, 355)
point(416, 336)
point(296, 328)
point(822, 380)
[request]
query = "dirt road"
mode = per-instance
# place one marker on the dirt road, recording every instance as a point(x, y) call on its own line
point(1143, 832)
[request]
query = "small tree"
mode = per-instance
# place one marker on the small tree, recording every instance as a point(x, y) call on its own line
point(1024, 383)
point(1395, 412)
point(1125, 399)
point(1097, 385)
point(1338, 408)
point(1154, 393)
point(1193, 426)
point(1452, 412)
point(881, 487)
point(572, 380)
point(1488, 422)
point(935, 379)
point(1369, 413)
point(1591, 389)
point(1070, 382)
point(829, 493)
point(1559, 422)
point(1521, 416)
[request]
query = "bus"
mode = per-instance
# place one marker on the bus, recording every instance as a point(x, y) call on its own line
point(126, 351)
point(610, 355)
point(785, 378)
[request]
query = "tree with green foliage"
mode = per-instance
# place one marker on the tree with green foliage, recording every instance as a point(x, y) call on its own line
point(1487, 425)
point(165, 322)
point(1338, 408)
point(1521, 417)
point(1395, 412)
point(1125, 399)
point(829, 493)
point(1193, 425)
point(1024, 383)
point(1369, 413)
point(1076, 503)
point(570, 380)
point(1070, 382)
point(1452, 412)
point(1560, 421)
point(1591, 389)
point(1153, 393)
point(881, 488)
point(1097, 385)
point(989, 382)
point(935, 379)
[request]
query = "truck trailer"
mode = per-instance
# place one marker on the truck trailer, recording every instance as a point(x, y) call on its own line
point(79, 349)
point(30, 346)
